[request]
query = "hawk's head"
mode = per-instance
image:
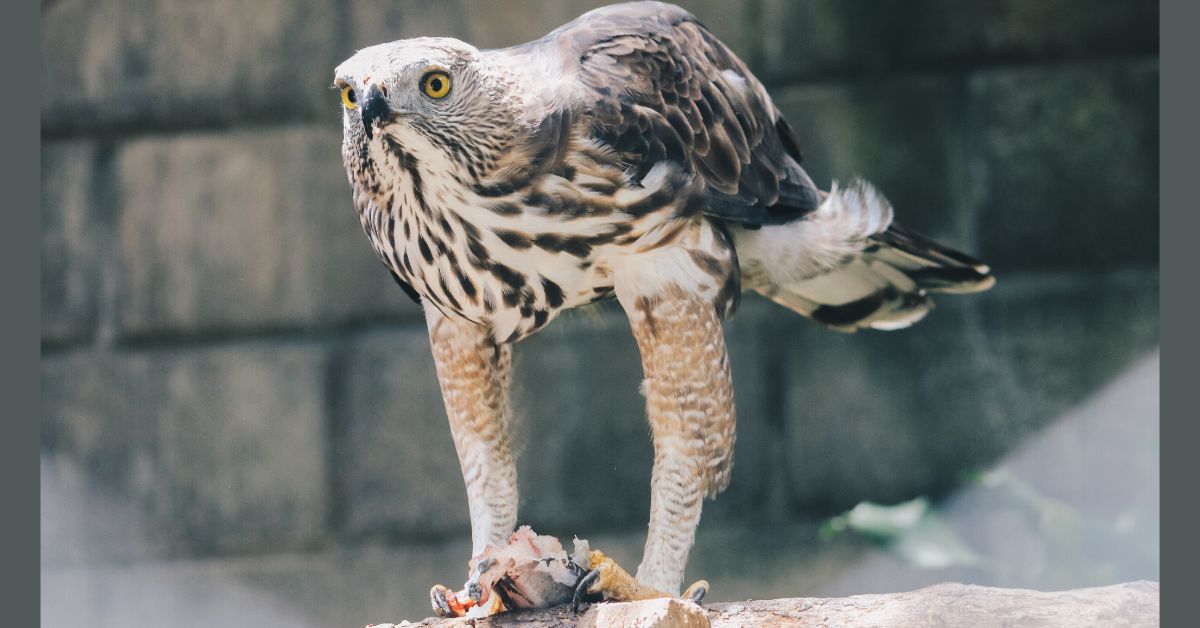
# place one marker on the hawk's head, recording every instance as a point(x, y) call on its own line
point(437, 97)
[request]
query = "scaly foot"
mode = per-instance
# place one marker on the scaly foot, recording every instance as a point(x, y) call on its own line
point(444, 602)
point(447, 603)
point(608, 580)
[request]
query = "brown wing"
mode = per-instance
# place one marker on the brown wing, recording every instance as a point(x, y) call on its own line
point(659, 86)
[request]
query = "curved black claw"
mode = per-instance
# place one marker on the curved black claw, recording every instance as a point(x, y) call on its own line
point(581, 590)
point(437, 599)
point(475, 591)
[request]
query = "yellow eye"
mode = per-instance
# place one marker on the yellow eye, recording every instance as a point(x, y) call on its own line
point(435, 84)
point(348, 97)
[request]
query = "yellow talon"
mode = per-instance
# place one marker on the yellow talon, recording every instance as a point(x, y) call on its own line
point(697, 591)
point(616, 584)
point(445, 603)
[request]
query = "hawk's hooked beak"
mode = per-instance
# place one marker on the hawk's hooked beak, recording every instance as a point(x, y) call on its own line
point(374, 109)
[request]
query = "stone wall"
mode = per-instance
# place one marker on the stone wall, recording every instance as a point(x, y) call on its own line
point(222, 351)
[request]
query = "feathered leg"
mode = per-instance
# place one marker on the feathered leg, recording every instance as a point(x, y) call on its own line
point(689, 401)
point(672, 303)
point(475, 373)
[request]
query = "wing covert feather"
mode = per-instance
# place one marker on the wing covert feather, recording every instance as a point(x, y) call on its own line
point(657, 85)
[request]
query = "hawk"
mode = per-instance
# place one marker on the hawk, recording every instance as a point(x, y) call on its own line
point(627, 154)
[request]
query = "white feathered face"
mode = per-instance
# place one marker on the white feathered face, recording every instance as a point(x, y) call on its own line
point(428, 93)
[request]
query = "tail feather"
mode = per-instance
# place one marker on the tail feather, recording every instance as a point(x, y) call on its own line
point(848, 266)
point(935, 267)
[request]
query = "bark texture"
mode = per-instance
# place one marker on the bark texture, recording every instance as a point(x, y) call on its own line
point(1131, 604)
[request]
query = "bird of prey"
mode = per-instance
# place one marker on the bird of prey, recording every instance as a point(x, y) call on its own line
point(628, 154)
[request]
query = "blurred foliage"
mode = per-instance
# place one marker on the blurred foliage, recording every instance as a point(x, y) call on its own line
point(912, 530)
point(1069, 540)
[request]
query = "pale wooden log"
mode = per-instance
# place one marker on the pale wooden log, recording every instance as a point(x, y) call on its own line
point(1131, 604)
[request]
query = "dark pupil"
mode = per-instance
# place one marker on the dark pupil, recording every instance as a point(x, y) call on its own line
point(350, 96)
point(435, 84)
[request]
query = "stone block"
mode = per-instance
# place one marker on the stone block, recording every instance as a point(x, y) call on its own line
point(244, 230)
point(821, 39)
point(580, 433)
point(757, 492)
point(84, 523)
point(886, 416)
point(838, 38)
point(75, 232)
point(141, 63)
point(341, 586)
point(1029, 29)
point(492, 24)
point(1064, 165)
point(1063, 335)
point(398, 474)
point(379, 21)
point(497, 25)
point(905, 135)
point(215, 450)
point(585, 449)
point(1024, 168)
point(587, 452)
